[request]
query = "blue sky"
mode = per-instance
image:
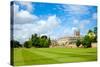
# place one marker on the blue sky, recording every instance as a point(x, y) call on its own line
point(53, 20)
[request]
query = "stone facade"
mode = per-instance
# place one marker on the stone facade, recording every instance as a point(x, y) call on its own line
point(67, 41)
point(64, 42)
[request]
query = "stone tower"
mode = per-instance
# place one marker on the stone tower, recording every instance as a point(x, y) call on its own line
point(77, 33)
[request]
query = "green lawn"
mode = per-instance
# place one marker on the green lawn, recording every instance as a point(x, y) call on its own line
point(35, 56)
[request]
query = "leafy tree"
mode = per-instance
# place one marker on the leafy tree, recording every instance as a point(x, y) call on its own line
point(15, 44)
point(40, 44)
point(37, 41)
point(44, 37)
point(95, 32)
point(28, 44)
point(44, 41)
point(34, 39)
point(86, 42)
point(91, 35)
point(78, 43)
point(90, 31)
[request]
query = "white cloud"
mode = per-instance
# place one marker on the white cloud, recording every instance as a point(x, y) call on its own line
point(94, 16)
point(24, 22)
point(76, 9)
point(84, 23)
point(80, 23)
point(74, 28)
point(23, 31)
point(75, 21)
point(67, 32)
point(24, 2)
point(49, 24)
point(27, 4)
point(23, 17)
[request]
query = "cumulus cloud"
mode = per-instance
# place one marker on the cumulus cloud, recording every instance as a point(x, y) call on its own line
point(23, 17)
point(24, 22)
point(23, 31)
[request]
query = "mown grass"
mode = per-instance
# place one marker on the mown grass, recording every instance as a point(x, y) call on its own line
point(36, 56)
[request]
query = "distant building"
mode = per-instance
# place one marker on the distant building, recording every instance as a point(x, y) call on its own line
point(76, 33)
point(67, 41)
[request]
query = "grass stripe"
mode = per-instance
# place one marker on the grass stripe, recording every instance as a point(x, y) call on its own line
point(62, 55)
point(18, 58)
point(34, 56)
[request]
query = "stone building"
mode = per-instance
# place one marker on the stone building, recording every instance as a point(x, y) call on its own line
point(67, 41)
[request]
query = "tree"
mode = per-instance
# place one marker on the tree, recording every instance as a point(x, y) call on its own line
point(38, 41)
point(90, 31)
point(44, 37)
point(28, 44)
point(43, 42)
point(86, 41)
point(91, 35)
point(78, 43)
point(95, 32)
point(34, 39)
point(15, 44)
